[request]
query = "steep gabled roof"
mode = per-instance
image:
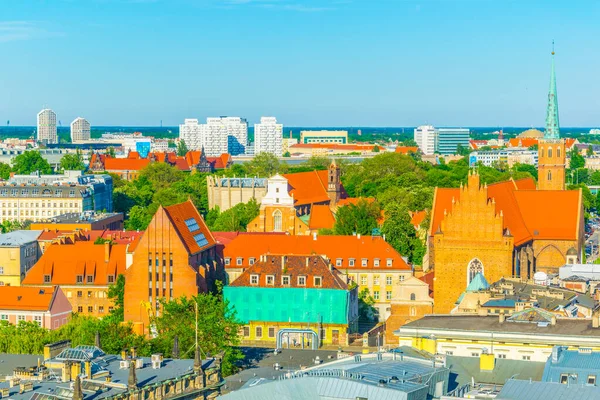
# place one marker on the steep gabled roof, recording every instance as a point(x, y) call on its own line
point(190, 227)
point(308, 187)
point(309, 266)
point(21, 298)
point(321, 217)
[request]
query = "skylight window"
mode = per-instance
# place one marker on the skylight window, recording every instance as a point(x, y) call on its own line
point(200, 240)
point(191, 224)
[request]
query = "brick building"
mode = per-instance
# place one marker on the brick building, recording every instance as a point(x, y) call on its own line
point(175, 257)
point(500, 230)
point(84, 271)
point(294, 292)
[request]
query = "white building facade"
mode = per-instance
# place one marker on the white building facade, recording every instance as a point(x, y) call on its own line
point(425, 136)
point(191, 133)
point(218, 136)
point(80, 129)
point(46, 126)
point(268, 136)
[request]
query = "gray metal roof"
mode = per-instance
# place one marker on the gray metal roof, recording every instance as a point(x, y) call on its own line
point(463, 369)
point(532, 390)
point(578, 363)
point(18, 238)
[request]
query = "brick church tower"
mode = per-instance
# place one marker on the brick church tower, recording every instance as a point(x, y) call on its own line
point(551, 164)
point(334, 183)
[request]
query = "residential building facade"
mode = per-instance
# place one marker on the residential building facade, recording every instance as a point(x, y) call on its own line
point(46, 306)
point(311, 137)
point(268, 137)
point(19, 251)
point(225, 135)
point(191, 133)
point(80, 129)
point(281, 292)
point(46, 126)
point(84, 271)
point(425, 136)
point(175, 257)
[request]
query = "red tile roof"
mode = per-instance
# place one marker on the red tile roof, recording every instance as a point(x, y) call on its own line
point(308, 187)
point(125, 164)
point(406, 149)
point(65, 262)
point(21, 298)
point(553, 214)
point(277, 266)
point(321, 217)
point(179, 214)
point(333, 247)
point(429, 278)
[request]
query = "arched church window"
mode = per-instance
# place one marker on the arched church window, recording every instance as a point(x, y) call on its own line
point(549, 175)
point(475, 267)
point(277, 221)
point(549, 152)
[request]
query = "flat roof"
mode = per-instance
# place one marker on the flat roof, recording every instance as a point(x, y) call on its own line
point(71, 218)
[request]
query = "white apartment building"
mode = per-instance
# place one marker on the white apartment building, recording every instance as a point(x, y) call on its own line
point(425, 136)
point(191, 133)
point(46, 126)
point(268, 136)
point(80, 130)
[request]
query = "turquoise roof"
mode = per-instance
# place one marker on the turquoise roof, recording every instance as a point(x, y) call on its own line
point(552, 125)
point(478, 283)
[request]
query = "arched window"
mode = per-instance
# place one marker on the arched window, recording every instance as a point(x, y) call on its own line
point(475, 267)
point(277, 221)
point(549, 152)
point(558, 152)
point(549, 175)
point(413, 297)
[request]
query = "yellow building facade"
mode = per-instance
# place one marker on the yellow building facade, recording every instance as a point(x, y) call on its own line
point(551, 164)
point(19, 251)
point(263, 332)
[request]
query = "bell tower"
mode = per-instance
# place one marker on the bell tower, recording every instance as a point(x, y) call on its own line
point(334, 183)
point(551, 164)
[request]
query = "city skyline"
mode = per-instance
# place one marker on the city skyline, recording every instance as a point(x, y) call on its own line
point(330, 63)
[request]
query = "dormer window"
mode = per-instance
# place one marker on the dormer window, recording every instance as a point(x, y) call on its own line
point(338, 262)
point(270, 279)
point(364, 262)
point(228, 261)
point(285, 280)
point(251, 261)
point(376, 262)
point(389, 262)
point(79, 279)
point(111, 279)
point(301, 281)
point(318, 281)
point(90, 279)
point(47, 279)
point(239, 261)
point(254, 279)
point(351, 262)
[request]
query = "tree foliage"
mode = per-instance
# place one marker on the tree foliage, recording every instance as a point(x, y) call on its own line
point(235, 219)
point(5, 171)
point(182, 148)
point(577, 160)
point(265, 165)
point(72, 162)
point(31, 161)
point(360, 218)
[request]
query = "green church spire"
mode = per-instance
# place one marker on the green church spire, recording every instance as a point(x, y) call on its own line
point(552, 125)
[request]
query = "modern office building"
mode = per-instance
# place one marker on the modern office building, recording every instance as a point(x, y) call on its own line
point(268, 136)
point(80, 129)
point(308, 137)
point(448, 140)
point(425, 136)
point(46, 126)
point(191, 133)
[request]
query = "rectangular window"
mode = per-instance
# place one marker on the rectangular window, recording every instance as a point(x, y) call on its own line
point(101, 309)
point(271, 332)
point(111, 279)
point(376, 262)
point(364, 262)
point(4, 317)
point(318, 281)
point(285, 280)
point(47, 279)
point(449, 353)
point(503, 356)
point(363, 280)
point(591, 380)
point(270, 279)
point(526, 358)
point(79, 293)
point(89, 293)
point(79, 278)
point(228, 261)
point(251, 260)
point(301, 281)
point(170, 259)
point(376, 294)
point(79, 308)
point(388, 280)
point(259, 331)
point(90, 309)
point(564, 378)
point(246, 330)
point(338, 262)
point(474, 354)
point(90, 279)
point(21, 318)
point(389, 262)
point(239, 261)
point(254, 279)
point(401, 278)
point(388, 295)
point(351, 262)
point(375, 280)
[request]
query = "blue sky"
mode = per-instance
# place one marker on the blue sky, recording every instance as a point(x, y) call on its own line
point(307, 62)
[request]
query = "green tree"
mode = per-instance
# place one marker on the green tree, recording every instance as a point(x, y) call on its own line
point(171, 144)
point(72, 162)
point(265, 165)
point(401, 234)
point(317, 163)
point(217, 327)
point(31, 161)
point(360, 218)
point(235, 219)
point(5, 171)
point(577, 160)
point(462, 150)
point(287, 154)
point(595, 178)
point(366, 304)
point(111, 152)
point(590, 151)
point(116, 292)
point(138, 218)
point(11, 225)
point(376, 149)
point(182, 148)
point(160, 175)
point(530, 169)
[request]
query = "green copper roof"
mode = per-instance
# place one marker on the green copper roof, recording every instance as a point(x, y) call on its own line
point(478, 283)
point(552, 125)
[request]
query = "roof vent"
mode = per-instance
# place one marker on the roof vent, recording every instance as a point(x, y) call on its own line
point(41, 291)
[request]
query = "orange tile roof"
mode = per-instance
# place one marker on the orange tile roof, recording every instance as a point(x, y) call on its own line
point(65, 262)
point(522, 142)
point(178, 214)
point(21, 298)
point(406, 149)
point(321, 217)
point(333, 247)
point(476, 144)
point(297, 265)
point(308, 187)
point(133, 155)
point(125, 164)
point(429, 279)
point(354, 200)
point(335, 146)
point(553, 214)
point(417, 218)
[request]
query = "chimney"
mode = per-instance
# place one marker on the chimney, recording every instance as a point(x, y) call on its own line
point(97, 340)
point(595, 321)
point(77, 392)
point(106, 251)
point(502, 318)
point(66, 371)
point(314, 235)
point(553, 320)
point(124, 354)
point(556, 350)
point(88, 369)
point(132, 379)
point(358, 236)
point(176, 347)
point(133, 352)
